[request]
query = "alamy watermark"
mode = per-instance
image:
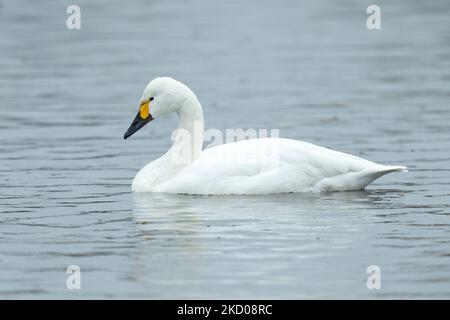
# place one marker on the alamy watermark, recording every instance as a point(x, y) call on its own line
point(73, 281)
point(373, 21)
point(73, 21)
point(374, 278)
point(264, 155)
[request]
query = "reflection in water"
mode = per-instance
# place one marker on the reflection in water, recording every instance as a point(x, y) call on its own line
point(262, 244)
point(182, 215)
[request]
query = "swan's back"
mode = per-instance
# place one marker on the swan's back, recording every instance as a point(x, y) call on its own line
point(273, 165)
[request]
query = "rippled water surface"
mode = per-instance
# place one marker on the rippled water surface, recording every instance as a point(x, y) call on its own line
point(309, 68)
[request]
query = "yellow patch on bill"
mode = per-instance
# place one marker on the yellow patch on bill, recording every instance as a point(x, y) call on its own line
point(144, 111)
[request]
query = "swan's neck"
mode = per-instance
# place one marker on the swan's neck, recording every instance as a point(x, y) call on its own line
point(186, 148)
point(188, 138)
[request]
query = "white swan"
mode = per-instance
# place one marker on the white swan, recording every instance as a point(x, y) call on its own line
point(257, 166)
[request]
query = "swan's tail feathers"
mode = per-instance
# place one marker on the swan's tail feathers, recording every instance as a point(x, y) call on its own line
point(355, 180)
point(368, 176)
point(389, 169)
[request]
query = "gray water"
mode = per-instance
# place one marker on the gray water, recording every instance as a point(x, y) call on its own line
point(309, 68)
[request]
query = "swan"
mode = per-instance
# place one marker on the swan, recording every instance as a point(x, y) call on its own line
point(255, 166)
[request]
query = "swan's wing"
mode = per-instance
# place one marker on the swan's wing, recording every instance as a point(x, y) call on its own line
point(270, 166)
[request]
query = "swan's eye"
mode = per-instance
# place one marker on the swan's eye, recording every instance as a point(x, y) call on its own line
point(150, 99)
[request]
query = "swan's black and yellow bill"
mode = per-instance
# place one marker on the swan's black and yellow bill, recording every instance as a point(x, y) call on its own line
point(142, 118)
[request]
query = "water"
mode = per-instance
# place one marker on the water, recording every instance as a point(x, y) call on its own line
point(309, 68)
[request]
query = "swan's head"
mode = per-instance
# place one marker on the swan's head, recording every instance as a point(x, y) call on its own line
point(162, 96)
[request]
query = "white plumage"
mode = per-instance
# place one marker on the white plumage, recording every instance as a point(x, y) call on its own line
point(256, 166)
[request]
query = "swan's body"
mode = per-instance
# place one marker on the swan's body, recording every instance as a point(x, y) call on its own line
point(256, 166)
